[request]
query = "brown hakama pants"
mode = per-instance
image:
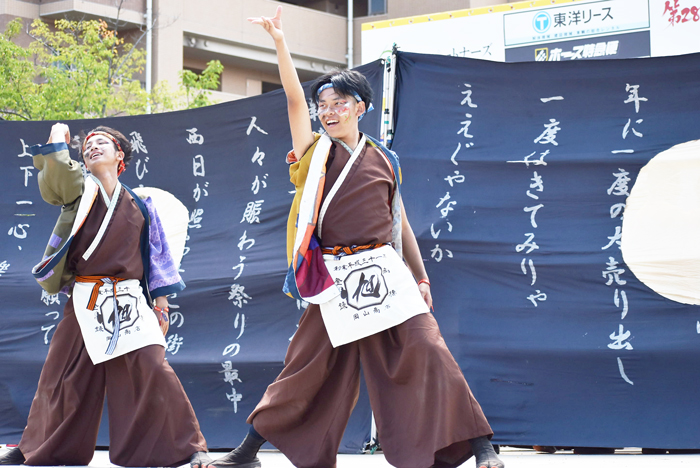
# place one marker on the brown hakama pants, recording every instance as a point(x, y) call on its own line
point(424, 409)
point(151, 421)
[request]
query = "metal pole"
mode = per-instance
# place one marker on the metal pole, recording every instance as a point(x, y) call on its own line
point(390, 99)
point(149, 51)
point(387, 128)
point(385, 93)
point(350, 34)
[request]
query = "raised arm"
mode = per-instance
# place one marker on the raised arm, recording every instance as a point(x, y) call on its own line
point(60, 178)
point(297, 108)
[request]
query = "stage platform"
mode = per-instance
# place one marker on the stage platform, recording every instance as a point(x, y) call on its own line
point(512, 457)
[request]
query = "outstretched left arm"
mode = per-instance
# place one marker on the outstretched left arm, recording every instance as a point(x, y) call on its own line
point(412, 256)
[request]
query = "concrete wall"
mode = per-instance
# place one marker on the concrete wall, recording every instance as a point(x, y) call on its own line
point(11, 9)
point(134, 5)
point(196, 32)
point(131, 12)
point(309, 33)
point(316, 39)
point(237, 81)
point(130, 16)
point(167, 40)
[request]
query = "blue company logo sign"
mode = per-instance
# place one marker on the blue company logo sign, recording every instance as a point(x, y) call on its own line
point(541, 22)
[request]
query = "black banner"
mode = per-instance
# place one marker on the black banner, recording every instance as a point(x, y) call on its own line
point(515, 179)
point(231, 326)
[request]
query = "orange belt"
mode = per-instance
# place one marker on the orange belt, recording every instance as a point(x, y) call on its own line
point(340, 250)
point(99, 282)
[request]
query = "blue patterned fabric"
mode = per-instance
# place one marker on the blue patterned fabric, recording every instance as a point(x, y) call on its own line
point(163, 277)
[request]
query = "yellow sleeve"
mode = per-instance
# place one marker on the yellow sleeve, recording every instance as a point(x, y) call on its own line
point(297, 175)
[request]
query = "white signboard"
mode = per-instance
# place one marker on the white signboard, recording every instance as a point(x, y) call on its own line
point(575, 20)
point(461, 36)
point(675, 26)
point(565, 28)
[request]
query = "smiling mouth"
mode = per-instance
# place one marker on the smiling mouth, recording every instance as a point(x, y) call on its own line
point(92, 156)
point(331, 122)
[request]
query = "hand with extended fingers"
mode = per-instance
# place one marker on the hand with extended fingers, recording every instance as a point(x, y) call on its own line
point(271, 25)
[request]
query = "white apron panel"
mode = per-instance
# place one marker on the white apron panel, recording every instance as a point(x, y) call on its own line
point(377, 292)
point(138, 323)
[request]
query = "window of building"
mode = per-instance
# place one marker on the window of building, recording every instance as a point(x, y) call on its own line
point(267, 86)
point(340, 7)
point(376, 7)
point(337, 7)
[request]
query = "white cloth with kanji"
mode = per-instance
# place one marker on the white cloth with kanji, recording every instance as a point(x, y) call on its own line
point(138, 324)
point(377, 292)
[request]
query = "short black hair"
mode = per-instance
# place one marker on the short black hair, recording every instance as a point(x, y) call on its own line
point(346, 83)
point(123, 142)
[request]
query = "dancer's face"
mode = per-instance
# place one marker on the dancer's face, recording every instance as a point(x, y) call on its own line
point(101, 153)
point(338, 113)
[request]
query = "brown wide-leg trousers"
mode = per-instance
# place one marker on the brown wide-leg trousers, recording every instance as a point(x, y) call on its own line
point(151, 420)
point(424, 409)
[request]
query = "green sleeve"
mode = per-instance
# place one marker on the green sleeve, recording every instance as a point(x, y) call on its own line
point(60, 177)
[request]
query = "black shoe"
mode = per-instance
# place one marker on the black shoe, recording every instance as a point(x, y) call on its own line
point(594, 451)
point(234, 459)
point(544, 448)
point(653, 451)
point(12, 457)
point(243, 456)
point(200, 460)
point(484, 453)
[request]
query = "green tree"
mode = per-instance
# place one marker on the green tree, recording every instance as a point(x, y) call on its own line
point(83, 69)
point(196, 85)
point(16, 75)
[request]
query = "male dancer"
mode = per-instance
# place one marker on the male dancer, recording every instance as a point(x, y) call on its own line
point(426, 414)
point(109, 250)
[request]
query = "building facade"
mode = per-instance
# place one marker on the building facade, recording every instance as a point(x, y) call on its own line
point(189, 33)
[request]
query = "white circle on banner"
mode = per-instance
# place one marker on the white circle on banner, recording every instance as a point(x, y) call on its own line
point(661, 224)
point(174, 218)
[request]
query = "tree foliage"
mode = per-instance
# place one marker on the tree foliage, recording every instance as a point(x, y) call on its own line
point(16, 75)
point(195, 85)
point(83, 69)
